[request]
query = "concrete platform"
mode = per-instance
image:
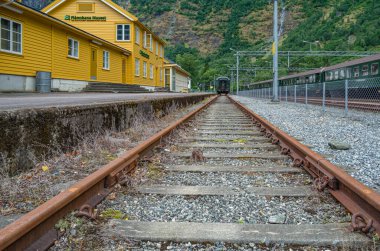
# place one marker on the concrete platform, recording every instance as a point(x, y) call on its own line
point(300, 191)
point(11, 101)
point(311, 235)
point(209, 168)
point(34, 124)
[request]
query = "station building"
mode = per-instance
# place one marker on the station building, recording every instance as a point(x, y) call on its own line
point(109, 21)
point(176, 78)
point(32, 42)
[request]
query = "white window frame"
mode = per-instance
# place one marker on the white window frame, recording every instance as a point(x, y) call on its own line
point(151, 72)
point(123, 33)
point(144, 40)
point(157, 48)
point(145, 69)
point(11, 37)
point(162, 51)
point(106, 60)
point(73, 48)
point(137, 67)
point(161, 74)
point(151, 42)
point(137, 35)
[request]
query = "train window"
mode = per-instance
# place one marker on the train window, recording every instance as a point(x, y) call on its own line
point(307, 80)
point(365, 70)
point(341, 74)
point(356, 72)
point(336, 74)
point(348, 73)
point(374, 69)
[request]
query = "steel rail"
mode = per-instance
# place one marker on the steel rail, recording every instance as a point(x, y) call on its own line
point(35, 230)
point(362, 201)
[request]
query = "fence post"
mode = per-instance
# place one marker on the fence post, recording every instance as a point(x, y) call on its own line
point(346, 97)
point(295, 94)
point(286, 94)
point(324, 97)
point(306, 94)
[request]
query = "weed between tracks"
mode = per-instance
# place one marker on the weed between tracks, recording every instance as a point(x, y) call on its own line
point(23, 193)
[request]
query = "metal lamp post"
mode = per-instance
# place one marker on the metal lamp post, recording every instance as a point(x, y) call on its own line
point(275, 52)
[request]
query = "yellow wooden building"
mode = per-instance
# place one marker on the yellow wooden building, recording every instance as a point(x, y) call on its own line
point(111, 22)
point(32, 42)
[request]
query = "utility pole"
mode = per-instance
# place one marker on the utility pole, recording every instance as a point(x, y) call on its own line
point(237, 73)
point(231, 81)
point(275, 52)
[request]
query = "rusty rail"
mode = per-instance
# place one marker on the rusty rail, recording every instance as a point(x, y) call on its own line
point(362, 201)
point(35, 230)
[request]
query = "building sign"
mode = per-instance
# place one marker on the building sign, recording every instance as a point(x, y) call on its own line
point(144, 54)
point(84, 18)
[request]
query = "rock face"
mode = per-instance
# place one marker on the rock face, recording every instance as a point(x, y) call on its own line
point(339, 145)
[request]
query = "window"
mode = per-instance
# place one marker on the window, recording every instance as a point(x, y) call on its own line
point(348, 72)
point(161, 74)
point(73, 48)
point(151, 72)
point(10, 36)
point(162, 51)
point(341, 74)
point(167, 78)
point(329, 75)
point(123, 32)
point(365, 70)
point(137, 67)
point(86, 7)
point(374, 69)
point(137, 35)
point(145, 70)
point(336, 75)
point(147, 40)
point(157, 49)
point(356, 72)
point(106, 60)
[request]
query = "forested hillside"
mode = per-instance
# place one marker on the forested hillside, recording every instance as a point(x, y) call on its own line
point(200, 33)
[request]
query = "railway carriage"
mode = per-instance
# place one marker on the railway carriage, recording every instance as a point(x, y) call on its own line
point(222, 85)
point(363, 69)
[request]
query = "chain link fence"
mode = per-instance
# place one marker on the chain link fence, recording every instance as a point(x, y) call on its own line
point(363, 94)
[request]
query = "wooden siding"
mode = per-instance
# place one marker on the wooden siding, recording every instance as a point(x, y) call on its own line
point(36, 43)
point(107, 30)
point(45, 48)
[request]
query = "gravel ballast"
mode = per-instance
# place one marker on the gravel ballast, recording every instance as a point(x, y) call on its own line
point(307, 123)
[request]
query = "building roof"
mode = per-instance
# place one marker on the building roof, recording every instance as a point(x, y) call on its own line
point(178, 68)
point(58, 22)
point(113, 6)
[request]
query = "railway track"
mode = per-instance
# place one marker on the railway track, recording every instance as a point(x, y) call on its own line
point(231, 178)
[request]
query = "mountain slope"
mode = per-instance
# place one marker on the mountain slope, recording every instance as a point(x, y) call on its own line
point(200, 33)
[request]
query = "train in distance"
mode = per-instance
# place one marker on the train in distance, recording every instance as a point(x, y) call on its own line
point(222, 85)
